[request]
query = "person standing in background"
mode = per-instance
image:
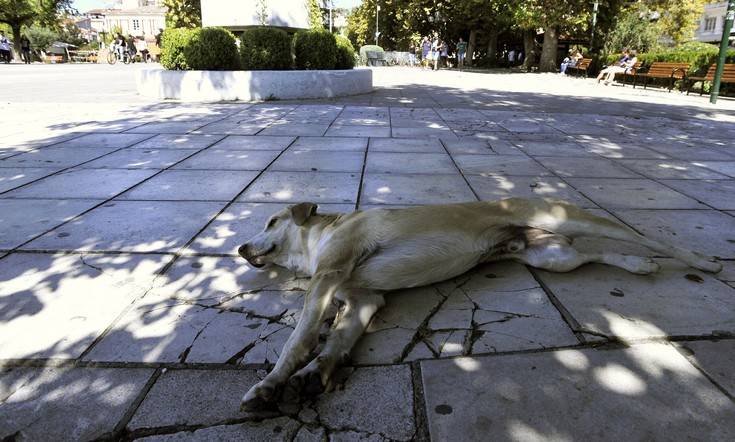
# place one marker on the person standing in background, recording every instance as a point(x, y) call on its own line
point(25, 47)
point(461, 51)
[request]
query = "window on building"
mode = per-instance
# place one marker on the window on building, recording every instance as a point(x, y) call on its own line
point(136, 25)
point(709, 24)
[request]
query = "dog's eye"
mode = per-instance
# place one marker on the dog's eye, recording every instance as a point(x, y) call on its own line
point(271, 223)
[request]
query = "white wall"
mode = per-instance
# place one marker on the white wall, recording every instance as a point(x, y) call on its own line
point(242, 13)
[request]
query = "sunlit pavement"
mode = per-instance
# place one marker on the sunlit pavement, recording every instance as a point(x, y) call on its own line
point(125, 311)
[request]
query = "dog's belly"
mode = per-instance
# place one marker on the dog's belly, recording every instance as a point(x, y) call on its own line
point(418, 261)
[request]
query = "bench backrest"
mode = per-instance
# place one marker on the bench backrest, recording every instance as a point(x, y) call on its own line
point(375, 54)
point(728, 73)
point(665, 69)
point(583, 63)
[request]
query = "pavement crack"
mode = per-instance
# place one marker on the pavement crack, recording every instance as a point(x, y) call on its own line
point(184, 354)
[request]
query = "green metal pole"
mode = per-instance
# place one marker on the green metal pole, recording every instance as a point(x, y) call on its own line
point(723, 50)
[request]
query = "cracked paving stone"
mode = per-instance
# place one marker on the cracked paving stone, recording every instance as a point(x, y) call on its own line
point(307, 434)
point(70, 404)
point(355, 436)
point(716, 358)
point(194, 397)
point(55, 306)
point(376, 400)
point(267, 348)
point(279, 429)
point(663, 304)
point(647, 392)
point(212, 280)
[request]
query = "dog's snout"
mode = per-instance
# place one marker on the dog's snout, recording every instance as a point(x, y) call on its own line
point(243, 250)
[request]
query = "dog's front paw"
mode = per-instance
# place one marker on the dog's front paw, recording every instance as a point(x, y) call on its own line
point(260, 396)
point(309, 381)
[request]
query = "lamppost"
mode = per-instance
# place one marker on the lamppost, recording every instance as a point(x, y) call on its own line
point(724, 43)
point(377, 33)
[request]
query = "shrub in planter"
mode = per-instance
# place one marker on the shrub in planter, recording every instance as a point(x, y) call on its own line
point(211, 49)
point(315, 50)
point(173, 42)
point(265, 48)
point(345, 53)
point(368, 48)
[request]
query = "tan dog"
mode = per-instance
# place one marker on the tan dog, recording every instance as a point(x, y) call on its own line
point(356, 257)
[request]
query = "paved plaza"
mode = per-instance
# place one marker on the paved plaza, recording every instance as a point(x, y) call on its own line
point(126, 313)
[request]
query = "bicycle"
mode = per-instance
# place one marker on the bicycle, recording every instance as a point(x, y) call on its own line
point(113, 56)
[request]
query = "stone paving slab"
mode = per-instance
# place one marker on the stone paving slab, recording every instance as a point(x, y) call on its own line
point(585, 167)
point(139, 159)
point(318, 161)
point(70, 404)
point(356, 144)
point(646, 392)
point(157, 226)
point(706, 231)
point(402, 163)
point(415, 189)
point(429, 145)
point(192, 185)
point(79, 295)
point(672, 169)
point(494, 187)
point(56, 157)
point(719, 194)
point(105, 140)
point(222, 159)
point(639, 194)
point(82, 184)
point(499, 165)
point(677, 301)
point(23, 220)
point(234, 142)
point(716, 358)
point(295, 187)
point(11, 178)
point(167, 141)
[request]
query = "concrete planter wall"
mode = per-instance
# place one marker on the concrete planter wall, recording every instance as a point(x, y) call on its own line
point(252, 85)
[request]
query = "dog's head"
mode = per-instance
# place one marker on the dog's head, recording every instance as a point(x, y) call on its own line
point(279, 242)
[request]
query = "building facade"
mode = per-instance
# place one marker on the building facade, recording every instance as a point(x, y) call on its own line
point(242, 14)
point(712, 23)
point(134, 17)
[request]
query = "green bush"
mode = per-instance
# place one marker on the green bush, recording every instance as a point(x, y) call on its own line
point(345, 53)
point(368, 48)
point(211, 49)
point(265, 48)
point(315, 50)
point(173, 42)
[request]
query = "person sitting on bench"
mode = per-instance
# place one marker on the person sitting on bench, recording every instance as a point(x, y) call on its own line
point(622, 67)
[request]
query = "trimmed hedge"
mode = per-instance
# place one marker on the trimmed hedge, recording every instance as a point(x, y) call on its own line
point(211, 49)
point(173, 42)
point(265, 48)
point(315, 49)
point(699, 55)
point(345, 53)
point(368, 48)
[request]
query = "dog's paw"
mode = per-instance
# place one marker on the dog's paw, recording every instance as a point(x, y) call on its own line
point(305, 382)
point(709, 264)
point(258, 397)
point(640, 265)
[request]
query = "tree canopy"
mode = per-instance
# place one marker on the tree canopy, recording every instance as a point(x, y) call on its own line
point(183, 13)
point(632, 23)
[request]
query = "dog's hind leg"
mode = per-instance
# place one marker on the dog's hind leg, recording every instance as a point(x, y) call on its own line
point(554, 253)
point(301, 342)
point(360, 306)
point(573, 222)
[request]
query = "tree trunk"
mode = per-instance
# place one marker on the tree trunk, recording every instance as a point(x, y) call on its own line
point(471, 43)
point(492, 47)
point(16, 41)
point(548, 53)
point(529, 49)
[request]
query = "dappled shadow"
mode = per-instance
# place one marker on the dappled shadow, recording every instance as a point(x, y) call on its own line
point(158, 283)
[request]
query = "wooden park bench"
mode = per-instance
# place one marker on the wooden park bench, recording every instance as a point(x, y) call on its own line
point(664, 70)
point(630, 72)
point(375, 58)
point(728, 76)
point(581, 66)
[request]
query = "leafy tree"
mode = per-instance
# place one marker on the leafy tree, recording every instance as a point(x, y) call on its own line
point(41, 37)
point(316, 19)
point(19, 13)
point(183, 13)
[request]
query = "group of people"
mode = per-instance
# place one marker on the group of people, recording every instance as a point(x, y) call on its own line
point(6, 54)
point(435, 52)
point(571, 60)
point(514, 57)
point(130, 45)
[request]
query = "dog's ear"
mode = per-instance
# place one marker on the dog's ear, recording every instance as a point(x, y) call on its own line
point(301, 212)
